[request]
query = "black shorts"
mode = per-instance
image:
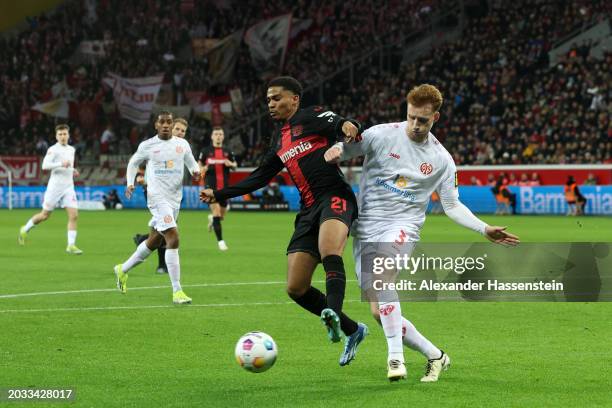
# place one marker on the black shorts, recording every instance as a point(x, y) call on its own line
point(222, 203)
point(341, 206)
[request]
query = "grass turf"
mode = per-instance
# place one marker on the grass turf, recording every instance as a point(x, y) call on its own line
point(140, 350)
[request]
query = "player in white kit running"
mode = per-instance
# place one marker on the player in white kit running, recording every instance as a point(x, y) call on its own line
point(167, 156)
point(60, 189)
point(404, 164)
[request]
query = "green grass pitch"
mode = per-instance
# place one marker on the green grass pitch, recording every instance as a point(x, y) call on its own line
point(140, 350)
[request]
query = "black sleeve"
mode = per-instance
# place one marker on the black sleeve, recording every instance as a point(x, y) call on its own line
point(506, 193)
point(202, 156)
point(261, 176)
point(329, 124)
point(231, 156)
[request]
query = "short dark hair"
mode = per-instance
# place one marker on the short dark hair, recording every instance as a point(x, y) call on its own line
point(164, 113)
point(62, 126)
point(289, 83)
point(218, 128)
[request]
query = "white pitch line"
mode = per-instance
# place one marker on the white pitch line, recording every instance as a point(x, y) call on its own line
point(100, 308)
point(195, 285)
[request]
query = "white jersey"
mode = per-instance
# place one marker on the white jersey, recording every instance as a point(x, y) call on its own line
point(62, 177)
point(166, 162)
point(398, 178)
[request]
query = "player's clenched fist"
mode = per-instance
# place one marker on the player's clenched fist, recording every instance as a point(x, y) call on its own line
point(333, 154)
point(207, 196)
point(350, 131)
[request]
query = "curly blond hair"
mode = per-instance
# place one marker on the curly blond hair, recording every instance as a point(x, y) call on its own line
point(423, 94)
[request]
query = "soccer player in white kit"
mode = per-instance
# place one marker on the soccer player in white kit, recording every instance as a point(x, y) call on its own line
point(60, 189)
point(166, 156)
point(404, 164)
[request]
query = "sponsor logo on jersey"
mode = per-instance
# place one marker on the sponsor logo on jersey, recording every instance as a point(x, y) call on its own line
point(167, 219)
point(397, 190)
point(297, 130)
point(296, 150)
point(426, 168)
point(179, 149)
point(401, 181)
point(394, 155)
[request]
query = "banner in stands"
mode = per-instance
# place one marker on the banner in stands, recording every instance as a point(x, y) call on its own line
point(267, 41)
point(23, 168)
point(134, 96)
point(530, 200)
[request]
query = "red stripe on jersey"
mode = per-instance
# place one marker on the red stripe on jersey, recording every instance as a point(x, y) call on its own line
point(290, 153)
point(219, 167)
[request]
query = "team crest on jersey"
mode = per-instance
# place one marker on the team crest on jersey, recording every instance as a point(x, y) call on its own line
point(297, 130)
point(179, 149)
point(401, 181)
point(167, 219)
point(426, 168)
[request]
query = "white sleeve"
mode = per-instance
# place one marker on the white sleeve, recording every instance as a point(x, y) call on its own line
point(135, 160)
point(360, 148)
point(49, 162)
point(453, 208)
point(190, 161)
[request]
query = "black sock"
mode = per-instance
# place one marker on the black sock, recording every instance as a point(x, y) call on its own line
point(217, 228)
point(140, 238)
point(335, 283)
point(313, 301)
point(161, 256)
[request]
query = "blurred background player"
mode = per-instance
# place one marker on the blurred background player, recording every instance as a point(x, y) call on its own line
point(328, 205)
point(166, 158)
point(60, 189)
point(215, 163)
point(179, 129)
point(575, 200)
point(398, 189)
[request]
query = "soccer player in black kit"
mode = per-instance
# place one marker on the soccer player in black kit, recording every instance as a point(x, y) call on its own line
point(216, 162)
point(328, 205)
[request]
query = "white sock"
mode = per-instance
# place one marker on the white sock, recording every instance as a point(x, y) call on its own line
point(174, 268)
point(72, 237)
point(391, 320)
point(141, 253)
point(29, 225)
point(418, 342)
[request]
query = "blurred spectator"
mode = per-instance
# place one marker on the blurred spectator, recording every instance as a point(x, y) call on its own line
point(111, 200)
point(524, 181)
point(535, 180)
point(272, 194)
point(591, 180)
point(474, 181)
point(575, 200)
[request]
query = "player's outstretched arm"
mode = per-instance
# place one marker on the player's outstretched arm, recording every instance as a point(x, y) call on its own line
point(260, 177)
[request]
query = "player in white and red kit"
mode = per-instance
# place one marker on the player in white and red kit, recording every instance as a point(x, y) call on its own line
point(404, 164)
point(166, 157)
point(60, 189)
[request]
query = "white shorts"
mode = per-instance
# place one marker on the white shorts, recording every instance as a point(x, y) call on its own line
point(390, 243)
point(164, 216)
point(65, 197)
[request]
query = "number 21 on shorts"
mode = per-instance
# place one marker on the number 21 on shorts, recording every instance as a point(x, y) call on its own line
point(338, 205)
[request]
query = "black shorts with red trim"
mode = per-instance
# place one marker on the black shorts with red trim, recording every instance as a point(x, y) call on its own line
point(341, 206)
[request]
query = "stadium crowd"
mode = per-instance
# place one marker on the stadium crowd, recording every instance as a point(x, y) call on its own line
point(504, 103)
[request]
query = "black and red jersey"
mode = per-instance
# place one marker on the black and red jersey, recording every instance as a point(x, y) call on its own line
point(302, 142)
point(217, 175)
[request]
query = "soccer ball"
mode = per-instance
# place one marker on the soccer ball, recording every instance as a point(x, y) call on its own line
point(119, 206)
point(256, 352)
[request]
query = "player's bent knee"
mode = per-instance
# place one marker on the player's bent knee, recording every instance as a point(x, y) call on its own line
point(295, 292)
